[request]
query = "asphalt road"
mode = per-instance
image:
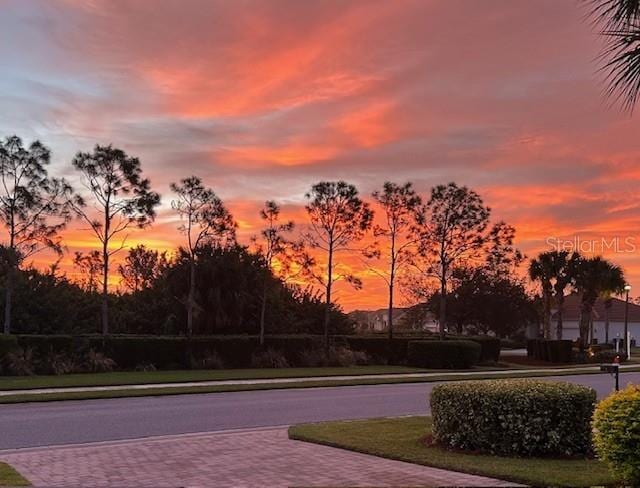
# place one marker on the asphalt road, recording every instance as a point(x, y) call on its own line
point(54, 423)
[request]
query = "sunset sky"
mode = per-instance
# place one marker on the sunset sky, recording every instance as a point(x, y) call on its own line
point(262, 99)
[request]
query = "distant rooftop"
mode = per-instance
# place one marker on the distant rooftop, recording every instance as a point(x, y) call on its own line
point(571, 309)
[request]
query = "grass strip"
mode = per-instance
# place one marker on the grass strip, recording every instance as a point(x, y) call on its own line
point(122, 378)
point(403, 439)
point(365, 380)
point(10, 477)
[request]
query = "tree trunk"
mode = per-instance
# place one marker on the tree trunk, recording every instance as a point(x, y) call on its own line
point(191, 297)
point(607, 305)
point(105, 289)
point(390, 311)
point(560, 312)
point(443, 306)
point(392, 277)
point(8, 299)
point(327, 310)
point(585, 318)
point(263, 310)
point(546, 320)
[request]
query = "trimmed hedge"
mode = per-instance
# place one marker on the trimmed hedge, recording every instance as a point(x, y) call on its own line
point(380, 349)
point(8, 343)
point(514, 417)
point(616, 433)
point(452, 354)
point(607, 357)
point(164, 352)
point(489, 347)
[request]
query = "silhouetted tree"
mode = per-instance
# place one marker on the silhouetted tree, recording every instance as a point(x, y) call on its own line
point(594, 277)
point(503, 258)
point(122, 199)
point(564, 268)
point(33, 208)
point(401, 208)
point(274, 248)
point(554, 271)
point(206, 221)
point(142, 267)
point(453, 233)
point(338, 217)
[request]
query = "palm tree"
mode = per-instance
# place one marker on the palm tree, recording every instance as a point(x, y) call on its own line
point(615, 281)
point(594, 278)
point(541, 270)
point(619, 22)
point(563, 265)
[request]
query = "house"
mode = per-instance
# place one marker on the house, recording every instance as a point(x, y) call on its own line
point(378, 321)
point(571, 319)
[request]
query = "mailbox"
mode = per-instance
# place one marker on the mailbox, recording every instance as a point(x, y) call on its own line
point(614, 370)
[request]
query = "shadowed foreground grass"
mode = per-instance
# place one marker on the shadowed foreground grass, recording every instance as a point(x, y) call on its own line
point(10, 477)
point(403, 439)
point(117, 378)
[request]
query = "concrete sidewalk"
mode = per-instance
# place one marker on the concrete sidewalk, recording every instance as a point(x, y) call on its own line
point(245, 458)
point(440, 376)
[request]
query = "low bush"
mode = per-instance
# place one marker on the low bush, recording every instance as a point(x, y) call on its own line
point(312, 358)
point(269, 358)
point(452, 354)
point(57, 363)
point(145, 367)
point(514, 417)
point(616, 434)
point(19, 362)
point(208, 360)
point(336, 356)
point(606, 356)
point(379, 349)
point(343, 356)
point(98, 362)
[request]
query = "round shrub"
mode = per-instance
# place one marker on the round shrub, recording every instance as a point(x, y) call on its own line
point(616, 433)
point(607, 357)
point(443, 354)
point(514, 417)
point(268, 358)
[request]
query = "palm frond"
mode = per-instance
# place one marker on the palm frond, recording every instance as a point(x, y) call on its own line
point(613, 14)
point(619, 22)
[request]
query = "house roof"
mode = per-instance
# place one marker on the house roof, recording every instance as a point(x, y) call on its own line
point(571, 309)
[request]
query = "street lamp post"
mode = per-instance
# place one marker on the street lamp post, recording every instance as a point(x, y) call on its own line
point(627, 288)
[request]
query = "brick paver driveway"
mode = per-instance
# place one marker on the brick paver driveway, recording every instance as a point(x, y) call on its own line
point(260, 458)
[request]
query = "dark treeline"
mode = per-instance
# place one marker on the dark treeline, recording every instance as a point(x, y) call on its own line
point(444, 252)
point(228, 302)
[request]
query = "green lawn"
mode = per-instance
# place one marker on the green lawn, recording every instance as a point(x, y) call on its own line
point(10, 477)
point(151, 377)
point(363, 379)
point(403, 439)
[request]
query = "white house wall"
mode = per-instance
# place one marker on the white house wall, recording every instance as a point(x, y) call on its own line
point(571, 331)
